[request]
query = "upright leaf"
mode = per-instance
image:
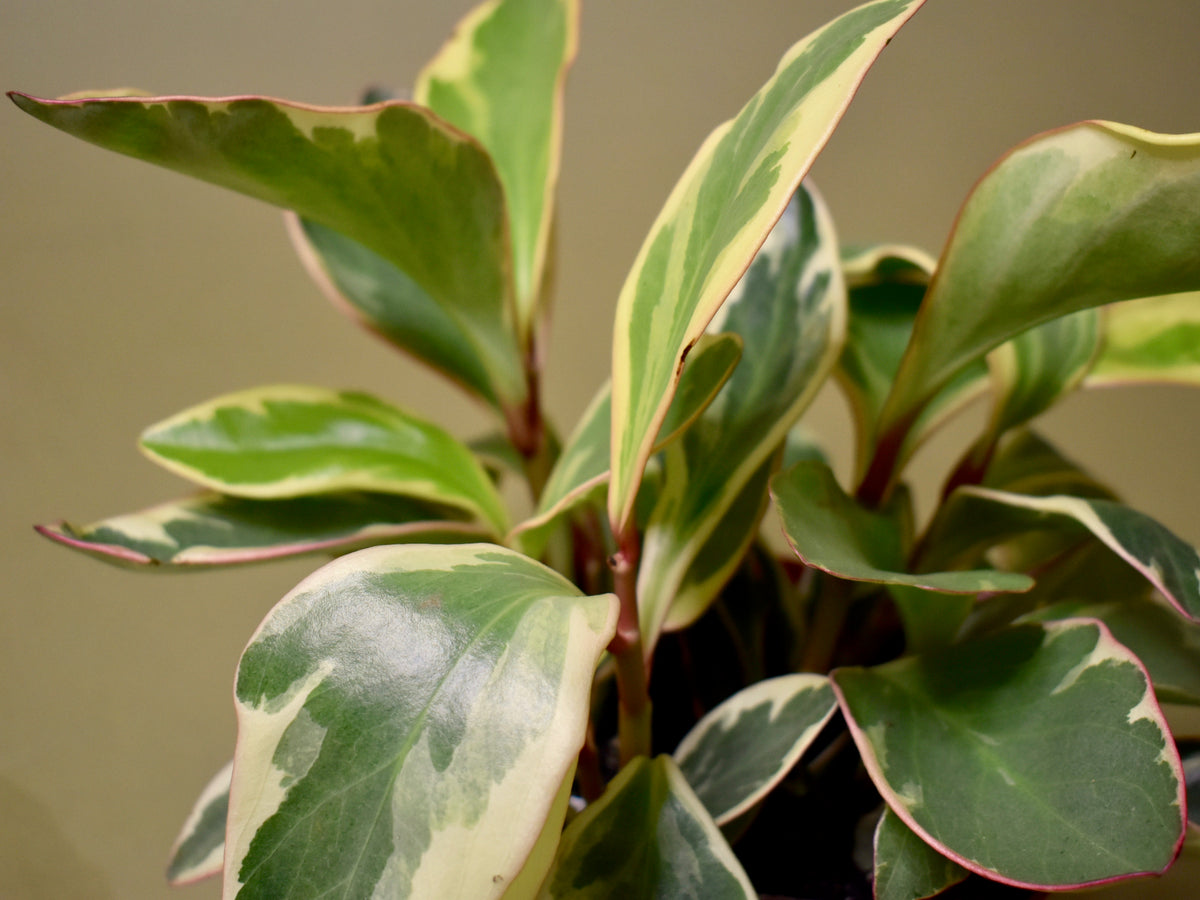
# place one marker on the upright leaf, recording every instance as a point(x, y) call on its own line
point(647, 838)
point(790, 310)
point(500, 79)
point(293, 441)
point(199, 850)
point(1073, 219)
point(393, 177)
point(423, 705)
point(1036, 756)
point(716, 217)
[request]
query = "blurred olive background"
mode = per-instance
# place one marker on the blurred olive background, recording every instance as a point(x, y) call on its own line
point(130, 293)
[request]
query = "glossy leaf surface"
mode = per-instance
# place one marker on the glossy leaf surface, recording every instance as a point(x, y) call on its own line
point(717, 216)
point(829, 531)
point(744, 747)
point(1167, 562)
point(1035, 756)
point(199, 850)
point(211, 529)
point(790, 311)
point(422, 703)
point(1167, 644)
point(393, 177)
point(500, 79)
point(292, 441)
point(907, 868)
point(647, 837)
point(1073, 219)
point(583, 464)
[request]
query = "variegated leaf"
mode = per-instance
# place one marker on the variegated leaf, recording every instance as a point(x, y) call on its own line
point(500, 79)
point(583, 466)
point(648, 836)
point(1073, 219)
point(292, 441)
point(790, 310)
point(719, 213)
point(740, 750)
point(1030, 374)
point(215, 530)
point(384, 300)
point(393, 176)
point(1155, 339)
point(829, 531)
point(1036, 756)
point(1167, 644)
point(907, 868)
point(199, 850)
point(1168, 563)
point(423, 704)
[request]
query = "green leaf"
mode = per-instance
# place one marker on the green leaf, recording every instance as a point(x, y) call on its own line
point(740, 750)
point(500, 79)
point(1167, 562)
point(829, 531)
point(215, 530)
point(907, 868)
point(393, 177)
point(1030, 374)
point(292, 441)
point(647, 837)
point(199, 850)
point(1073, 219)
point(790, 310)
point(425, 704)
point(1155, 339)
point(716, 217)
point(583, 465)
point(1167, 644)
point(388, 303)
point(1036, 756)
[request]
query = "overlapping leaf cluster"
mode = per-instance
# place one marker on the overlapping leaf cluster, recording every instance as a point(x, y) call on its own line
point(465, 708)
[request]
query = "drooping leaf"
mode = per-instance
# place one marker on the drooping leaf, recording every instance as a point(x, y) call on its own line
point(907, 868)
point(212, 529)
point(393, 177)
point(583, 465)
point(199, 850)
point(716, 217)
point(1167, 644)
point(1035, 756)
point(500, 79)
point(790, 310)
point(744, 747)
point(648, 837)
point(384, 300)
point(829, 531)
point(292, 441)
point(1155, 340)
point(1167, 562)
point(423, 704)
point(1077, 218)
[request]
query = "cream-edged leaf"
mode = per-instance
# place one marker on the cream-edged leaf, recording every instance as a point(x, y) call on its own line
point(718, 215)
point(425, 705)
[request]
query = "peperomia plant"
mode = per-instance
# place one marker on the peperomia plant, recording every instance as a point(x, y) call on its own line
point(634, 691)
